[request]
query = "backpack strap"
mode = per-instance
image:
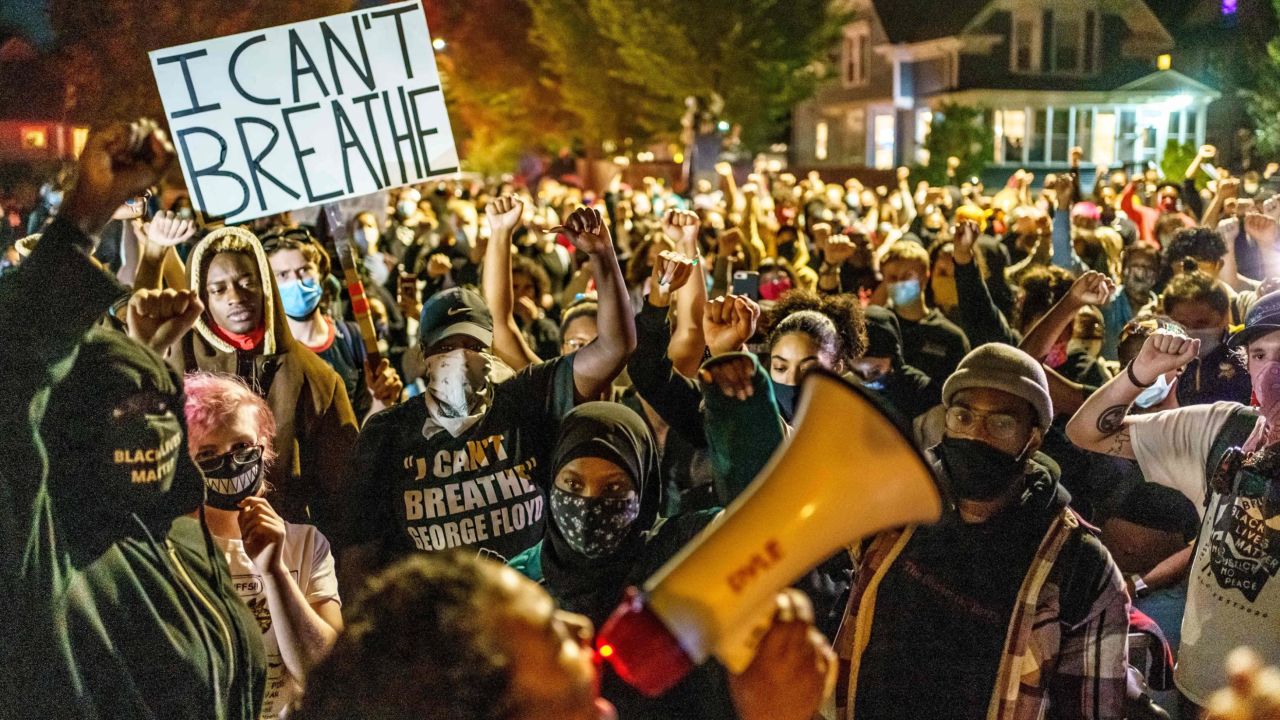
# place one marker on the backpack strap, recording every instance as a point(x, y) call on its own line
point(1235, 431)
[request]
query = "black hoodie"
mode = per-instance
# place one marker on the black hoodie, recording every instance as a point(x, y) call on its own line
point(907, 390)
point(119, 605)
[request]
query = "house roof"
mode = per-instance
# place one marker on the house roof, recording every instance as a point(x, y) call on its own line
point(909, 21)
point(1168, 82)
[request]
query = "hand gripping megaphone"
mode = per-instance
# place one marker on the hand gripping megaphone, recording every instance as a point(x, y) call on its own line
point(848, 472)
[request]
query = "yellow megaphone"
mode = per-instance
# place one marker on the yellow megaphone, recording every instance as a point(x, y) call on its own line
point(849, 471)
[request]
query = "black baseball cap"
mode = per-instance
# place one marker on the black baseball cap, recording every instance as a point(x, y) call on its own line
point(1262, 318)
point(457, 311)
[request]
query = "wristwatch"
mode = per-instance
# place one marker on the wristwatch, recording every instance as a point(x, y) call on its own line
point(1139, 586)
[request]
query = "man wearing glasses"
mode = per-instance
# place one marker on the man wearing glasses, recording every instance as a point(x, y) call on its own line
point(1007, 607)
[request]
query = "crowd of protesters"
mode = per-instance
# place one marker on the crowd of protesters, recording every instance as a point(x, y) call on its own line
point(205, 454)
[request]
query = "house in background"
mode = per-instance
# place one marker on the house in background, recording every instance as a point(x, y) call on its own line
point(36, 125)
point(1220, 43)
point(1051, 74)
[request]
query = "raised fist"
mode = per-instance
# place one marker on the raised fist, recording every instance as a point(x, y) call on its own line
point(1163, 352)
point(159, 318)
point(588, 232)
point(681, 226)
point(504, 215)
point(966, 234)
point(729, 322)
point(1091, 288)
point(119, 161)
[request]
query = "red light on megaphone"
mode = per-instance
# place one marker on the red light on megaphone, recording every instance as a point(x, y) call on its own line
point(641, 649)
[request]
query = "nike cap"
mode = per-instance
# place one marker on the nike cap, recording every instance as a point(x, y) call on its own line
point(457, 311)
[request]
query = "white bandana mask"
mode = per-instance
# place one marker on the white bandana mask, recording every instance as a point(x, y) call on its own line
point(458, 389)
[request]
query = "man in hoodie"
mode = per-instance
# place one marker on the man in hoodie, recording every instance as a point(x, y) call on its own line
point(119, 604)
point(467, 464)
point(884, 372)
point(244, 332)
point(1007, 608)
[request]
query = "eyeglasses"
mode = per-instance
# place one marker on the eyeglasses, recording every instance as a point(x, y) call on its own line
point(576, 343)
point(240, 456)
point(1001, 426)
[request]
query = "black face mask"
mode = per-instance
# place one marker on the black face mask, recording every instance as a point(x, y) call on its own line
point(232, 477)
point(787, 250)
point(976, 470)
point(785, 395)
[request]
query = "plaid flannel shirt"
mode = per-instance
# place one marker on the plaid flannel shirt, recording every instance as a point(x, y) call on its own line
point(1052, 665)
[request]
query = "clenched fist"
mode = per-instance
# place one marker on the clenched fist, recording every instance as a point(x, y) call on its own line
point(1162, 352)
point(588, 232)
point(159, 318)
point(681, 226)
point(504, 215)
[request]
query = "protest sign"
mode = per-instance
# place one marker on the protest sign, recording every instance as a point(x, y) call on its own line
point(312, 112)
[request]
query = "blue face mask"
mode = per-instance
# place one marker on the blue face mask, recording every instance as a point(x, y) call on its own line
point(1155, 394)
point(300, 298)
point(905, 292)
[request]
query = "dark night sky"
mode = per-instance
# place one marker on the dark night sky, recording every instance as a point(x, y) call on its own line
point(27, 17)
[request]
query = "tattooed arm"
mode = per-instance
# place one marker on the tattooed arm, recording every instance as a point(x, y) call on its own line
point(1100, 424)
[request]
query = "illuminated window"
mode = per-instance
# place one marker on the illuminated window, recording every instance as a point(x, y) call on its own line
point(35, 138)
point(820, 133)
point(1011, 135)
point(924, 121)
point(1164, 62)
point(883, 134)
point(1104, 139)
point(78, 137)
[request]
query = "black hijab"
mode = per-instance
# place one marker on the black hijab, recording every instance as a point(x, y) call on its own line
point(612, 432)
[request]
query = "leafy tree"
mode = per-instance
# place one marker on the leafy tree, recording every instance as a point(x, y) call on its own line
point(625, 67)
point(500, 98)
point(957, 131)
point(1263, 101)
point(101, 47)
point(1176, 159)
point(591, 74)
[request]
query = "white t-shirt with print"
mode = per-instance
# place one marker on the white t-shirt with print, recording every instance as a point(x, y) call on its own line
point(310, 562)
point(1233, 597)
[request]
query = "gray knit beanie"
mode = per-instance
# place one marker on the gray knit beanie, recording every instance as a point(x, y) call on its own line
point(1003, 367)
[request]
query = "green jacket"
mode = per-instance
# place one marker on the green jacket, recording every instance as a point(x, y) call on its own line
point(741, 434)
point(141, 622)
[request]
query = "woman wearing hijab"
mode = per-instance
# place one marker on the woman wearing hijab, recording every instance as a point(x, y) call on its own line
point(603, 535)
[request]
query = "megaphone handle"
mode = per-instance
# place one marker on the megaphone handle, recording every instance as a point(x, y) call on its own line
point(737, 647)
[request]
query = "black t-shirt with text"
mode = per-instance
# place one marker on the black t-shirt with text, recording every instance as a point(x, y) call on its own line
point(484, 490)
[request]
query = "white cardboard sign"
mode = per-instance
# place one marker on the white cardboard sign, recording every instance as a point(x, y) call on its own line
point(313, 112)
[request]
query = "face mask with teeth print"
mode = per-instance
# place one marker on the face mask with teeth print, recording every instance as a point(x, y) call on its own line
point(233, 480)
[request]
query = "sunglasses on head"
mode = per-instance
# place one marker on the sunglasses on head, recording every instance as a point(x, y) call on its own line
point(271, 241)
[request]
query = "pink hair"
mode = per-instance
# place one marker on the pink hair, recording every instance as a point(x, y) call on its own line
point(213, 399)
